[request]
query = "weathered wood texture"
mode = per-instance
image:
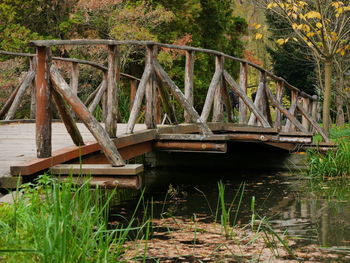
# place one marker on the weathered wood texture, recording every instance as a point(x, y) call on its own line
point(279, 100)
point(260, 100)
point(112, 90)
point(67, 119)
point(192, 146)
point(212, 88)
point(19, 95)
point(138, 98)
point(82, 112)
point(102, 89)
point(219, 95)
point(97, 169)
point(33, 65)
point(43, 103)
point(151, 90)
point(189, 75)
point(243, 84)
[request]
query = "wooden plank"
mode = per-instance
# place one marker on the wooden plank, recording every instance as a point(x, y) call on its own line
point(112, 90)
point(96, 169)
point(121, 182)
point(218, 108)
point(191, 137)
point(243, 84)
point(268, 138)
point(20, 93)
point(91, 123)
point(181, 99)
point(189, 69)
point(248, 129)
point(184, 146)
point(69, 153)
point(211, 90)
point(246, 100)
point(67, 119)
point(43, 103)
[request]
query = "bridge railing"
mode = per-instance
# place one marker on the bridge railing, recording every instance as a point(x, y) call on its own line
point(155, 81)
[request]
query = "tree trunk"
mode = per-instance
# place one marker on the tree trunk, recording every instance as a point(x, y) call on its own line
point(327, 95)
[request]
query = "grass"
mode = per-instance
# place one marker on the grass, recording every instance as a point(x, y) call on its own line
point(60, 222)
point(332, 163)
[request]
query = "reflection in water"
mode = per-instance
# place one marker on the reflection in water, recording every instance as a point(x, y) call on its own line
point(284, 199)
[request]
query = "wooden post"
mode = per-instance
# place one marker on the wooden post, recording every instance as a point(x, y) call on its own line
point(74, 78)
point(151, 107)
point(10, 100)
point(32, 61)
point(43, 103)
point(218, 109)
point(133, 85)
point(104, 106)
point(314, 110)
point(67, 119)
point(292, 110)
point(91, 97)
point(102, 137)
point(243, 84)
point(112, 90)
point(20, 93)
point(211, 91)
point(279, 98)
point(306, 106)
point(189, 69)
point(167, 107)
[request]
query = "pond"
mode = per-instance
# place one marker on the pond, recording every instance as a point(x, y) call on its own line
point(288, 202)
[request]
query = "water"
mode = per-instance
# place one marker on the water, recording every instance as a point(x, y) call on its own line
point(288, 201)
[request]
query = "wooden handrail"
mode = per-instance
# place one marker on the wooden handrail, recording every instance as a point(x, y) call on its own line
point(72, 60)
point(48, 43)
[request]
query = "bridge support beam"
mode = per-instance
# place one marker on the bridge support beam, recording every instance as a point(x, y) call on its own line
point(43, 103)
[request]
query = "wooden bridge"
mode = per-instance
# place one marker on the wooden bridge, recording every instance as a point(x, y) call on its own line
point(29, 147)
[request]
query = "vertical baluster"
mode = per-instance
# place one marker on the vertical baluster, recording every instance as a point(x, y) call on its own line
point(133, 85)
point(314, 109)
point(306, 106)
point(243, 84)
point(151, 107)
point(279, 97)
point(112, 90)
point(33, 89)
point(43, 103)
point(260, 100)
point(189, 68)
point(218, 108)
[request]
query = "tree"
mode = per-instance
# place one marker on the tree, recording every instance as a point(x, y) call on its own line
point(324, 26)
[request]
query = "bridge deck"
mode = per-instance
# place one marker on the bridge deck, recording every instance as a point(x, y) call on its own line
point(18, 146)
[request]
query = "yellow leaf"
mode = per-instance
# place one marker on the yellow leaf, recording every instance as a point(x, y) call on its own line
point(310, 34)
point(313, 14)
point(342, 52)
point(271, 5)
point(257, 26)
point(280, 41)
point(258, 36)
point(319, 25)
